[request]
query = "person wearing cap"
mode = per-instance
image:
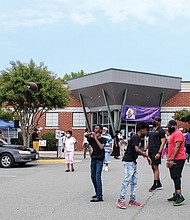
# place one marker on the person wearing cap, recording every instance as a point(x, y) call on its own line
point(176, 160)
point(107, 148)
point(155, 144)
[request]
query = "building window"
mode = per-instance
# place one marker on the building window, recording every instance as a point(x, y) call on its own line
point(52, 119)
point(79, 119)
point(166, 117)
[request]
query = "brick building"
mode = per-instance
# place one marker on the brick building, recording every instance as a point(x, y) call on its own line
point(178, 102)
point(144, 89)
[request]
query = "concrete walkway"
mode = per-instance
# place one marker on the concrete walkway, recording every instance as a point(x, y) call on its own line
point(53, 154)
point(51, 157)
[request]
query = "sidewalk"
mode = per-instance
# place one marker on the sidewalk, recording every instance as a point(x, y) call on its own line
point(49, 157)
point(53, 154)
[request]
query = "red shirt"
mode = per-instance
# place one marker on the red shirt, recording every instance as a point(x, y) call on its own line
point(176, 136)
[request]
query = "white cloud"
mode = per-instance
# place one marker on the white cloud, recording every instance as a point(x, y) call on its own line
point(82, 18)
point(47, 12)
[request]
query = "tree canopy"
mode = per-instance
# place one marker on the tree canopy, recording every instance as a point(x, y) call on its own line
point(73, 75)
point(7, 114)
point(28, 105)
point(182, 115)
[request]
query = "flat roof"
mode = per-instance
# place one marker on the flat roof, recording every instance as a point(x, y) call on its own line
point(144, 89)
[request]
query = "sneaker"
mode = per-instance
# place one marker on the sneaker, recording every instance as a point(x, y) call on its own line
point(121, 204)
point(67, 170)
point(187, 163)
point(135, 203)
point(179, 200)
point(153, 188)
point(97, 200)
point(159, 185)
point(172, 199)
point(106, 169)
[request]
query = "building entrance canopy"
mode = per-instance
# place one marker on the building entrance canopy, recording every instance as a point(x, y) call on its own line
point(143, 89)
point(111, 89)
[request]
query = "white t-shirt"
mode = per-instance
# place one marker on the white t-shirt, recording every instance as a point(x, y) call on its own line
point(85, 139)
point(70, 144)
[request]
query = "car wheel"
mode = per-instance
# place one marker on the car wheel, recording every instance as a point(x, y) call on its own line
point(6, 160)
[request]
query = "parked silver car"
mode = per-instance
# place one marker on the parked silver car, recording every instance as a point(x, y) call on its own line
point(16, 154)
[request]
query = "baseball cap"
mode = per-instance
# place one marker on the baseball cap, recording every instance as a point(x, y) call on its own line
point(104, 128)
point(171, 122)
point(157, 119)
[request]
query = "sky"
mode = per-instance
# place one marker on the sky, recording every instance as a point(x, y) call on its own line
point(71, 35)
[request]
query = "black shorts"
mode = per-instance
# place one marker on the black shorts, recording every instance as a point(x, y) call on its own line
point(176, 170)
point(152, 156)
point(188, 148)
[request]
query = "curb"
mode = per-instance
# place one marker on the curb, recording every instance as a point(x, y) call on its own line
point(48, 160)
point(55, 160)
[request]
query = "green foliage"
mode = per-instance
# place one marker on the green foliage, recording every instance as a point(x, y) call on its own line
point(182, 115)
point(51, 142)
point(14, 89)
point(7, 114)
point(73, 75)
point(28, 105)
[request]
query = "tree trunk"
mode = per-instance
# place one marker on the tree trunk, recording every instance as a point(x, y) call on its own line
point(26, 139)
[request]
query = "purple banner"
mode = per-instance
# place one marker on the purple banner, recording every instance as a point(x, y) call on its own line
point(138, 113)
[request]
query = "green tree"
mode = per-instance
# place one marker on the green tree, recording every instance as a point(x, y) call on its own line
point(29, 106)
point(73, 75)
point(7, 114)
point(182, 115)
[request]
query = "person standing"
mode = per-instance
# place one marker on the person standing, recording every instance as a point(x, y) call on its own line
point(2, 137)
point(86, 145)
point(155, 144)
point(176, 161)
point(131, 133)
point(130, 166)
point(97, 142)
point(116, 145)
point(187, 141)
point(107, 148)
point(69, 143)
point(35, 139)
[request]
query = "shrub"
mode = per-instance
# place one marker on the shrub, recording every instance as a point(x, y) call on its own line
point(51, 142)
point(18, 140)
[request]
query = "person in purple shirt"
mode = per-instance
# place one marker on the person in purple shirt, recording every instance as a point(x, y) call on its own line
point(187, 141)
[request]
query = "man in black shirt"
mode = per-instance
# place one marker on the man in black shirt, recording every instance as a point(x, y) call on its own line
point(130, 166)
point(35, 136)
point(155, 145)
point(97, 143)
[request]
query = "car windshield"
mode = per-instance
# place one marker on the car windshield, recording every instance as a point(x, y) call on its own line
point(3, 142)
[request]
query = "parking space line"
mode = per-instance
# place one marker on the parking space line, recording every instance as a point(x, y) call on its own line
point(8, 176)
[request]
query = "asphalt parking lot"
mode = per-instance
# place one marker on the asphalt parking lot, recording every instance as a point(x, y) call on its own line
point(45, 191)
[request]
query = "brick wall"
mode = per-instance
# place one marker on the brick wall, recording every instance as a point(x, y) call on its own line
point(181, 99)
point(65, 123)
point(74, 102)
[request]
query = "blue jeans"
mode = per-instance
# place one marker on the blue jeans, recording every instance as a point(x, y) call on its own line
point(96, 171)
point(130, 171)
